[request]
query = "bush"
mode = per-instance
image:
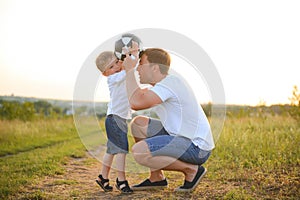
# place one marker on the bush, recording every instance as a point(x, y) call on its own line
point(295, 103)
point(15, 110)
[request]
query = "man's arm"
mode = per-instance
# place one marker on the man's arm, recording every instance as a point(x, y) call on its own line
point(139, 99)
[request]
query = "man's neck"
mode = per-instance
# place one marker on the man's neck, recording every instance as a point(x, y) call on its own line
point(158, 78)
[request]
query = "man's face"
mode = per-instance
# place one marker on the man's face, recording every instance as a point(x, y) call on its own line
point(145, 70)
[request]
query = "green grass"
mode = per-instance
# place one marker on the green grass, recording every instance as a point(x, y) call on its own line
point(19, 136)
point(260, 154)
point(253, 142)
point(254, 158)
point(35, 150)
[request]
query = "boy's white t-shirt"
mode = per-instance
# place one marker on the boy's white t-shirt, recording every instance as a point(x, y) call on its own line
point(118, 104)
point(180, 113)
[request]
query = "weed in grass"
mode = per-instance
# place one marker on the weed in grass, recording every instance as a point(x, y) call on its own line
point(36, 195)
point(237, 194)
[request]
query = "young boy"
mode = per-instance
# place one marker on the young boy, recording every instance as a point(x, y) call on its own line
point(115, 124)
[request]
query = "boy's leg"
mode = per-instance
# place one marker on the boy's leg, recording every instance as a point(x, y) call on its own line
point(103, 180)
point(106, 165)
point(120, 165)
point(121, 182)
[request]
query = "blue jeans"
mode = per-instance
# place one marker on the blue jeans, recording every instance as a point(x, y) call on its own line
point(160, 143)
point(116, 130)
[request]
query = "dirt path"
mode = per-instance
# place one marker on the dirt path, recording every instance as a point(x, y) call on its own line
point(78, 182)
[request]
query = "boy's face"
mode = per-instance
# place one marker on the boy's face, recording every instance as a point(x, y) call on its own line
point(113, 67)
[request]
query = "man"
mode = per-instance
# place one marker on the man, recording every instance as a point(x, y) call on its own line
point(181, 140)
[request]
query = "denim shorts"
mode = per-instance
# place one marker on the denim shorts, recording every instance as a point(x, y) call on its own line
point(116, 130)
point(161, 143)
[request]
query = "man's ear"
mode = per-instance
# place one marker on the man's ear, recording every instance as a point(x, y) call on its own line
point(156, 67)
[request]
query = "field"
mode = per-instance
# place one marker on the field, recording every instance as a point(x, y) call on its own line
point(254, 158)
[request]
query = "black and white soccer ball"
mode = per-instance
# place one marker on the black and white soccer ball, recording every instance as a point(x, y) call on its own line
point(126, 41)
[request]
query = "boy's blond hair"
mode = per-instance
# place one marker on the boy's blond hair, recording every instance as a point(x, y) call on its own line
point(104, 59)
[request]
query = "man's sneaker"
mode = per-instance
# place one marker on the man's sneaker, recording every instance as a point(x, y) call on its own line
point(190, 186)
point(147, 185)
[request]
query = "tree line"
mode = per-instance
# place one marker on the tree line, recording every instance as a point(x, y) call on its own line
point(27, 111)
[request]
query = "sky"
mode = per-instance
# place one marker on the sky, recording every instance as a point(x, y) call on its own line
point(255, 45)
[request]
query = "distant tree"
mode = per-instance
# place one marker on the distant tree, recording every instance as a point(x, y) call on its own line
point(207, 109)
point(295, 103)
point(43, 107)
point(15, 110)
point(82, 110)
point(295, 99)
point(27, 111)
point(9, 110)
point(57, 110)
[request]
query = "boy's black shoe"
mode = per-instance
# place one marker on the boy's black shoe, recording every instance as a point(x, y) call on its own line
point(123, 186)
point(104, 184)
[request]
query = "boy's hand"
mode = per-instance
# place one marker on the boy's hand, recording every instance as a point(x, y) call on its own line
point(134, 50)
point(131, 57)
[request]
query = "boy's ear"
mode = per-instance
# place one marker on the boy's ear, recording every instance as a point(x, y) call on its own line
point(105, 73)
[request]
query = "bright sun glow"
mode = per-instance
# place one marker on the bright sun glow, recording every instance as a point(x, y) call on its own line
point(254, 45)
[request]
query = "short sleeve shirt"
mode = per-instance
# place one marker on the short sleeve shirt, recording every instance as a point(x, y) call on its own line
point(180, 112)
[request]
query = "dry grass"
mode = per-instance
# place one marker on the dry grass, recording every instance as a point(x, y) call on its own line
point(255, 158)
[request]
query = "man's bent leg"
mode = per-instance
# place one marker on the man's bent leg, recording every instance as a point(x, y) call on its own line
point(143, 156)
point(139, 126)
point(156, 180)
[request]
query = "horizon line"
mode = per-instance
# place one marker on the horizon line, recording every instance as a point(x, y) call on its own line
point(89, 101)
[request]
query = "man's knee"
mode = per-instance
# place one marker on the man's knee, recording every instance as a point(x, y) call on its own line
point(139, 126)
point(140, 121)
point(140, 152)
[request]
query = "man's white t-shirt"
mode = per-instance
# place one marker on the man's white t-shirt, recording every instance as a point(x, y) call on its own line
point(118, 104)
point(180, 113)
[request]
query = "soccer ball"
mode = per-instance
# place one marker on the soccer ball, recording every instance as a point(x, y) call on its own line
point(126, 41)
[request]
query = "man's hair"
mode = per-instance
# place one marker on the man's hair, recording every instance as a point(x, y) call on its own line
point(158, 56)
point(104, 59)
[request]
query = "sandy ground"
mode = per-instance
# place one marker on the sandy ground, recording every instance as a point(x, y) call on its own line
point(78, 182)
